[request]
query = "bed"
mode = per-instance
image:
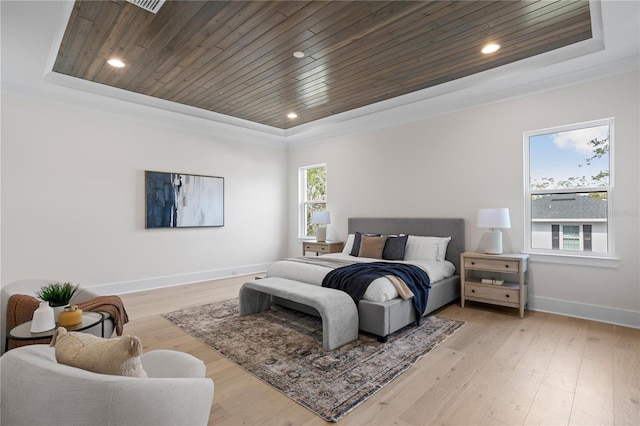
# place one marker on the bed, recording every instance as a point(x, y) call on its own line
point(381, 312)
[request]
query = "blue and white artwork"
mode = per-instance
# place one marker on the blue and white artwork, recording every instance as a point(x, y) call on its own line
point(181, 201)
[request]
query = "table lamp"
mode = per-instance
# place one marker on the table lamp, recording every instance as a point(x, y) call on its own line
point(493, 218)
point(321, 218)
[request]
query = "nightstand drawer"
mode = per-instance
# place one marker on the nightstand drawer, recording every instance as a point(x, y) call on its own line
point(322, 247)
point(495, 265)
point(318, 248)
point(495, 293)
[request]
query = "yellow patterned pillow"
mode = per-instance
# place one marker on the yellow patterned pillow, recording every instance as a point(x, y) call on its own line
point(119, 356)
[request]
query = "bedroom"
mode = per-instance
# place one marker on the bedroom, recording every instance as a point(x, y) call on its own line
point(72, 179)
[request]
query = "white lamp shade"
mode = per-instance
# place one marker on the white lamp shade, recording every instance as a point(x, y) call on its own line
point(494, 218)
point(321, 218)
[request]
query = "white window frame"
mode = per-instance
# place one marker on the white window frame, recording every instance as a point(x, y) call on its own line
point(607, 259)
point(303, 202)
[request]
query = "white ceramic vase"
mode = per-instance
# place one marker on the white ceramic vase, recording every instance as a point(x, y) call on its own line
point(43, 318)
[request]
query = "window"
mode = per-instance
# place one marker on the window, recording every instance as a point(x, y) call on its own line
point(313, 197)
point(570, 237)
point(568, 189)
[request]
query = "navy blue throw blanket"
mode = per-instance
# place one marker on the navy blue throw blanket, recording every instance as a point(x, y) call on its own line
point(354, 280)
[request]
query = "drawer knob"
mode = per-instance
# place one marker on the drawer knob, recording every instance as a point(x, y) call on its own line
point(506, 266)
point(507, 296)
point(473, 263)
point(473, 291)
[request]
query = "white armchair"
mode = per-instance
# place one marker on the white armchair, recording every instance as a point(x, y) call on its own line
point(38, 390)
point(30, 287)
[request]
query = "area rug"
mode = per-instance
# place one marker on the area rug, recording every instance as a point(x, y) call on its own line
point(283, 347)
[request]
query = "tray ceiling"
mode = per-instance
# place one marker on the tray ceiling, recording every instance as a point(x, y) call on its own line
point(237, 58)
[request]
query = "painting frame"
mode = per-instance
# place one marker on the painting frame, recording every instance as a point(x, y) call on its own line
point(182, 200)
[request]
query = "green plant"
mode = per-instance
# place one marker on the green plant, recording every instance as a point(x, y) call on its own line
point(57, 294)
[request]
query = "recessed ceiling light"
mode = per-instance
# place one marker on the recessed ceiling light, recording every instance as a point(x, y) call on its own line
point(298, 54)
point(115, 63)
point(292, 115)
point(490, 48)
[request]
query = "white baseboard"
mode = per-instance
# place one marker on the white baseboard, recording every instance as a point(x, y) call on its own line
point(173, 280)
point(605, 314)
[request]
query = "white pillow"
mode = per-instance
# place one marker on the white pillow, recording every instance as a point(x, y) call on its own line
point(442, 248)
point(426, 248)
point(349, 244)
point(421, 248)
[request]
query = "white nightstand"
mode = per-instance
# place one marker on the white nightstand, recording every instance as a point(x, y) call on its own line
point(506, 268)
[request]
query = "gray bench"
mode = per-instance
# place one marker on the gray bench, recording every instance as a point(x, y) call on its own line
point(336, 308)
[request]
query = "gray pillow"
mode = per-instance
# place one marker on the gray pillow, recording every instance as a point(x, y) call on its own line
point(355, 250)
point(394, 247)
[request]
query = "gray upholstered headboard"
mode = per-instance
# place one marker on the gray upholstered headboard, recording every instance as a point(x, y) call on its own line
point(429, 227)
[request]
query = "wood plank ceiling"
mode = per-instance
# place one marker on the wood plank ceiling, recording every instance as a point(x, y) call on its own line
point(236, 57)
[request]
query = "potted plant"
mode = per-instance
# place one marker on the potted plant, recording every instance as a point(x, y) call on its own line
point(58, 295)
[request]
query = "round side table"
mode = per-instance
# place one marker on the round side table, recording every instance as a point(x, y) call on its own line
point(23, 331)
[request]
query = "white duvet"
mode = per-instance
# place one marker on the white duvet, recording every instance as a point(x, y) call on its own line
point(380, 290)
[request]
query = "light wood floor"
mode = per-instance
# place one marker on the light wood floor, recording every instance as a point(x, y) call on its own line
point(497, 370)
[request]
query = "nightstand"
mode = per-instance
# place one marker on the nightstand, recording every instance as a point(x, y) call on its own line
point(503, 276)
point(322, 247)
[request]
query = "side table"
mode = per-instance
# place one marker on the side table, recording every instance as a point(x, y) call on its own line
point(23, 331)
point(481, 273)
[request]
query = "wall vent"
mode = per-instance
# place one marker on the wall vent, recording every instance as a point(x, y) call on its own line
point(150, 5)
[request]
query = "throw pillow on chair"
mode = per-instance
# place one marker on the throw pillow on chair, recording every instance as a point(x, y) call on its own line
point(118, 356)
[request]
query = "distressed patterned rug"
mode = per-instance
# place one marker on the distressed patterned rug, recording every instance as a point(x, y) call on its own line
point(284, 348)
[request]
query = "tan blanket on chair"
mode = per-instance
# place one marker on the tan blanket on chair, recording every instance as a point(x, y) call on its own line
point(110, 304)
point(20, 309)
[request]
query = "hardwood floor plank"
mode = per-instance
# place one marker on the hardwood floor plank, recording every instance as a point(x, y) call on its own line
point(626, 387)
point(551, 406)
point(562, 372)
point(520, 390)
point(593, 401)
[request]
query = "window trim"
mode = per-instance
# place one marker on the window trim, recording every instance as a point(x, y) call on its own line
point(608, 259)
point(303, 202)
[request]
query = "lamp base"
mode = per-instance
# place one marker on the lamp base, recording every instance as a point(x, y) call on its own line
point(321, 234)
point(493, 242)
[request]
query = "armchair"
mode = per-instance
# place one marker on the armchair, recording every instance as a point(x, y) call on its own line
point(38, 390)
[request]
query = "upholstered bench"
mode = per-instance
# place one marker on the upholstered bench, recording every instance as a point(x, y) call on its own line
point(336, 308)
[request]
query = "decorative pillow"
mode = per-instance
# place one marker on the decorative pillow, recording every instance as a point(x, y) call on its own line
point(421, 248)
point(118, 357)
point(394, 248)
point(372, 247)
point(355, 248)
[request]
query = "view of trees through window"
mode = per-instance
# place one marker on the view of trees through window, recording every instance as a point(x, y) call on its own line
point(569, 187)
point(314, 182)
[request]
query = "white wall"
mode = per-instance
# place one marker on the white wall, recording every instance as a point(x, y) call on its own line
point(451, 165)
point(73, 203)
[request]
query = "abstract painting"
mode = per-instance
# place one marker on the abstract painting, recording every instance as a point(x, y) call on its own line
point(181, 201)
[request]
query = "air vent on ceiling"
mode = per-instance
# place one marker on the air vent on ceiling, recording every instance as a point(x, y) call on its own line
point(150, 5)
